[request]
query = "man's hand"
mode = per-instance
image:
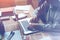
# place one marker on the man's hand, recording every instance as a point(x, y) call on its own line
point(34, 20)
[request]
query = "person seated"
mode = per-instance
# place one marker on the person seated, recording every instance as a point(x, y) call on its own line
point(49, 13)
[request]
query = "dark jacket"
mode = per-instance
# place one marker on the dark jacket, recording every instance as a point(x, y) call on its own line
point(2, 30)
point(53, 17)
point(50, 16)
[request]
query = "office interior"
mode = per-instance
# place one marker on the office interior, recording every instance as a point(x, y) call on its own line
point(29, 19)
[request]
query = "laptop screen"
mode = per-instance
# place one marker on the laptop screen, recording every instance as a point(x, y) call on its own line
point(25, 25)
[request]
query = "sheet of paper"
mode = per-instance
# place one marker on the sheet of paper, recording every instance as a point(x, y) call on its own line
point(17, 35)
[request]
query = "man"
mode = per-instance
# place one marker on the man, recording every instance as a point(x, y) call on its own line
point(50, 16)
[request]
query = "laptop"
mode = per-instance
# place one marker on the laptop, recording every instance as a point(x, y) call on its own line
point(25, 24)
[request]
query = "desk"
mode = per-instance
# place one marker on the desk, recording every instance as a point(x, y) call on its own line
point(44, 36)
point(10, 25)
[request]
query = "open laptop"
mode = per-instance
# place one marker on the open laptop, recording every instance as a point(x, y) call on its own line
point(25, 24)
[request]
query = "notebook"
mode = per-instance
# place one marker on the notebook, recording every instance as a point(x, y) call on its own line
point(25, 24)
